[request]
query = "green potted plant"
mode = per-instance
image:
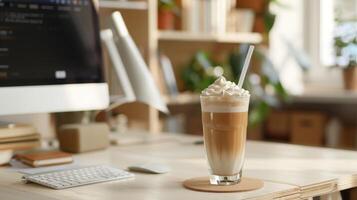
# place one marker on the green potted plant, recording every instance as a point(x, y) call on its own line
point(201, 72)
point(167, 10)
point(345, 42)
point(264, 85)
point(264, 17)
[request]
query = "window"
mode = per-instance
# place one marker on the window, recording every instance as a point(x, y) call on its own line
point(319, 31)
point(337, 18)
point(310, 26)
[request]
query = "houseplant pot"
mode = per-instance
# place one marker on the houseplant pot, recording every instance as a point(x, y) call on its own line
point(167, 10)
point(350, 78)
point(166, 19)
point(345, 43)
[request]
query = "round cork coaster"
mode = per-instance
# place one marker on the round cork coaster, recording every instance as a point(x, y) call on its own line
point(203, 184)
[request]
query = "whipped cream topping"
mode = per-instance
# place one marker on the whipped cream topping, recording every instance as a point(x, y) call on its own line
point(222, 87)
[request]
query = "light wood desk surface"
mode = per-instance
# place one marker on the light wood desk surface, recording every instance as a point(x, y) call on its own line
point(289, 172)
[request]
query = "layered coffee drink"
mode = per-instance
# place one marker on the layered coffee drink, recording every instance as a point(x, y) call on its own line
point(224, 118)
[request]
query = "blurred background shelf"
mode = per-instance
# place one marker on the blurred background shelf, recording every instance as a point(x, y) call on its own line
point(182, 99)
point(253, 38)
point(183, 41)
point(334, 97)
point(130, 5)
point(327, 97)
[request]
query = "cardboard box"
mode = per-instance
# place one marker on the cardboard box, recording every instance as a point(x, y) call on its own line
point(308, 128)
point(278, 125)
point(78, 138)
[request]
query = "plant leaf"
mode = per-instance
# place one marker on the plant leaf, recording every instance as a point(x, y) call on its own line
point(258, 113)
point(269, 20)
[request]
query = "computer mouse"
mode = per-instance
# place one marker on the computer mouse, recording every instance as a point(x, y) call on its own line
point(151, 168)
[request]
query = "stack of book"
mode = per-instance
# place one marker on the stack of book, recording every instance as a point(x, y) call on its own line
point(205, 16)
point(18, 137)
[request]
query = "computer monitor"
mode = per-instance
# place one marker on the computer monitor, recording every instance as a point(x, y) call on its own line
point(50, 57)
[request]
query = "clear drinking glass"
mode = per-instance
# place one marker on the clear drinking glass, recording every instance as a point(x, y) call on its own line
point(224, 121)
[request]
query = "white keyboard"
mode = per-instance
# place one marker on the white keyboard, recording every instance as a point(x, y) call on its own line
point(77, 177)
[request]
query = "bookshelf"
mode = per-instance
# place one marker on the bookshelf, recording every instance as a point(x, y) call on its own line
point(130, 5)
point(326, 96)
point(253, 38)
point(182, 99)
point(141, 20)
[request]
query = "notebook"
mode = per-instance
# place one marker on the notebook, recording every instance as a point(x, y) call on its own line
point(40, 159)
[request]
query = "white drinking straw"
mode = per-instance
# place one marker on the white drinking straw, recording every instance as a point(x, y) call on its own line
point(245, 66)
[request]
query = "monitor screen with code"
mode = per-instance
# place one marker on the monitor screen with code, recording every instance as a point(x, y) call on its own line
point(46, 42)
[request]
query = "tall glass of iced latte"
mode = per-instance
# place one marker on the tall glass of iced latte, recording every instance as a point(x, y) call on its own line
point(224, 118)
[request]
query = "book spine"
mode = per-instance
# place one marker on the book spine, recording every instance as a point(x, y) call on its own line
point(207, 4)
point(222, 15)
point(16, 132)
point(20, 145)
point(195, 14)
point(169, 74)
point(185, 18)
point(214, 16)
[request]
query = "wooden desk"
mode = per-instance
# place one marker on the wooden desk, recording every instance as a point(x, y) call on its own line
point(289, 172)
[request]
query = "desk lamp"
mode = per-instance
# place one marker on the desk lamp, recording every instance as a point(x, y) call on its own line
point(136, 81)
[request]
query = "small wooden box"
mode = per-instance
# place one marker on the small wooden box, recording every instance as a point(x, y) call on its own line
point(78, 138)
point(308, 128)
point(255, 133)
point(347, 138)
point(278, 125)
